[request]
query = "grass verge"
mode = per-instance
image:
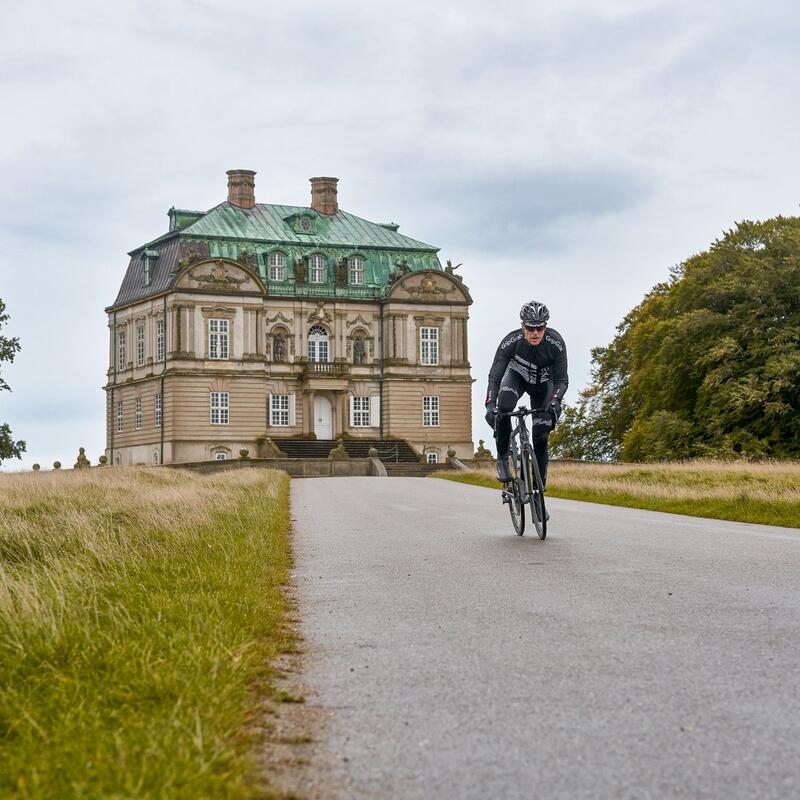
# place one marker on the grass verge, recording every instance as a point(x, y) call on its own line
point(139, 610)
point(767, 493)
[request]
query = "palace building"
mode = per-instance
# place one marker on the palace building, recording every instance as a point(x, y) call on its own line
point(251, 323)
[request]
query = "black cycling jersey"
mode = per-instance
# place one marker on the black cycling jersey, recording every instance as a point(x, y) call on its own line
point(539, 364)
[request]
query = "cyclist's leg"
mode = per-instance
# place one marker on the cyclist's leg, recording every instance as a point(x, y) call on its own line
point(541, 427)
point(512, 387)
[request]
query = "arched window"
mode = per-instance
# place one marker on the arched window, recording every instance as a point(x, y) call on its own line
point(317, 264)
point(277, 266)
point(356, 269)
point(318, 349)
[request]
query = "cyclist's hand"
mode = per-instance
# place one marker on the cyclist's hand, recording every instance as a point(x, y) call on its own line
point(555, 408)
point(491, 414)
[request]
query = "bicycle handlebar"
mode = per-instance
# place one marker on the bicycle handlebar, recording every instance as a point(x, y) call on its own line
point(521, 412)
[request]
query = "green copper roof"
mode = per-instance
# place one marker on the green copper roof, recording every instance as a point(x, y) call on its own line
point(268, 223)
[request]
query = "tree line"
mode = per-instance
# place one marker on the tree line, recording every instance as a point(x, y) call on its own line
point(707, 365)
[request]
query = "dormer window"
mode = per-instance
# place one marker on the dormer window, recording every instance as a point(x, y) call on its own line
point(148, 262)
point(317, 264)
point(356, 270)
point(277, 266)
point(306, 224)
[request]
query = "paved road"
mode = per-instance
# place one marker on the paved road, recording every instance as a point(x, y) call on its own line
point(633, 654)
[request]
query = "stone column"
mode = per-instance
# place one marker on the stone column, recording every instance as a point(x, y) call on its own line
point(310, 417)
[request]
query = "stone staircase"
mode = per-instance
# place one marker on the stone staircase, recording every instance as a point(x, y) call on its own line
point(356, 448)
point(397, 455)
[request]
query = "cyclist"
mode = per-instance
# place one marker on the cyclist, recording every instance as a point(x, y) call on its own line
point(532, 360)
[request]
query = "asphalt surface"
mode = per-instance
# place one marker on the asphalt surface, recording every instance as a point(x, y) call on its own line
point(632, 654)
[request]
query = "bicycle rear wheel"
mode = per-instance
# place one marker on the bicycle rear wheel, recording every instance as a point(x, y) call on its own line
point(534, 493)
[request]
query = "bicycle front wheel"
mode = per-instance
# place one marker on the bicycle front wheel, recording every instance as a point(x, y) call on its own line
point(534, 492)
point(516, 505)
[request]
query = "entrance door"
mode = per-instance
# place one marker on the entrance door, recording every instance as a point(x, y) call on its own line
point(323, 418)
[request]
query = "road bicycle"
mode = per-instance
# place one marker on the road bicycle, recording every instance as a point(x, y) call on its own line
point(525, 487)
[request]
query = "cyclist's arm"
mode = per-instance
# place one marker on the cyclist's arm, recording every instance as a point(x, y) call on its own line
point(559, 374)
point(505, 351)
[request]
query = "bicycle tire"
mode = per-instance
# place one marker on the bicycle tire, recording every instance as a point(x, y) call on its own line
point(515, 505)
point(535, 493)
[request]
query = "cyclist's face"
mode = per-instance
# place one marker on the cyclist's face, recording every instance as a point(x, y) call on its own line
point(534, 336)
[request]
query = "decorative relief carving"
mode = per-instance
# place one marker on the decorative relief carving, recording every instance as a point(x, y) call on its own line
point(279, 317)
point(359, 320)
point(427, 289)
point(217, 276)
point(320, 314)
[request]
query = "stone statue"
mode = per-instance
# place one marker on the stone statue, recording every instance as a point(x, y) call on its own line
point(482, 454)
point(450, 269)
point(279, 349)
point(359, 351)
point(340, 271)
point(82, 462)
point(300, 270)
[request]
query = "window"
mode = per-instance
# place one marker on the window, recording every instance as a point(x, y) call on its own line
point(160, 341)
point(318, 344)
point(220, 407)
point(432, 458)
point(155, 457)
point(356, 269)
point(279, 410)
point(277, 266)
point(121, 353)
point(429, 345)
point(318, 265)
point(360, 412)
point(140, 345)
point(218, 338)
point(220, 456)
point(120, 417)
point(138, 414)
point(430, 411)
point(157, 411)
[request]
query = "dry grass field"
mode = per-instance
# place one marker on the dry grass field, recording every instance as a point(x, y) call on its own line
point(139, 610)
point(767, 493)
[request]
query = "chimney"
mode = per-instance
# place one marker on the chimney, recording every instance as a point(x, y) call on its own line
point(241, 187)
point(323, 196)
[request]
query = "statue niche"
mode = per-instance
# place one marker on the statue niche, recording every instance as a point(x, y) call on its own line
point(300, 270)
point(359, 350)
point(279, 347)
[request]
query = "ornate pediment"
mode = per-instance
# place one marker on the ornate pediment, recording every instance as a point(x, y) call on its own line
point(279, 317)
point(431, 286)
point(219, 275)
point(359, 320)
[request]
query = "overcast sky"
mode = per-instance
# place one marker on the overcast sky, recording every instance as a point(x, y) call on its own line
point(565, 151)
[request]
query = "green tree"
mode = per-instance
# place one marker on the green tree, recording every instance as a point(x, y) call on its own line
point(708, 364)
point(8, 349)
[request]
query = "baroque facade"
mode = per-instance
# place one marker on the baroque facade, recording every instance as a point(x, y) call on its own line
point(254, 322)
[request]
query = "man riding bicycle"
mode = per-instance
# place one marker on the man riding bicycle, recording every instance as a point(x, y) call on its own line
point(532, 360)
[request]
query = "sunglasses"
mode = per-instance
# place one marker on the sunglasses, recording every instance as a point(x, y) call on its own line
point(535, 328)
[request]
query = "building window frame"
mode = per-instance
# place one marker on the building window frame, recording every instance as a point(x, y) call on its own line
point(431, 457)
point(279, 411)
point(122, 345)
point(140, 349)
point(356, 266)
point(360, 416)
point(219, 338)
point(161, 340)
point(276, 265)
point(430, 411)
point(120, 417)
point(429, 345)
point(158, 411)
point(319, 345)
point(220, 406)
point(137, 414)
point(317, 268)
